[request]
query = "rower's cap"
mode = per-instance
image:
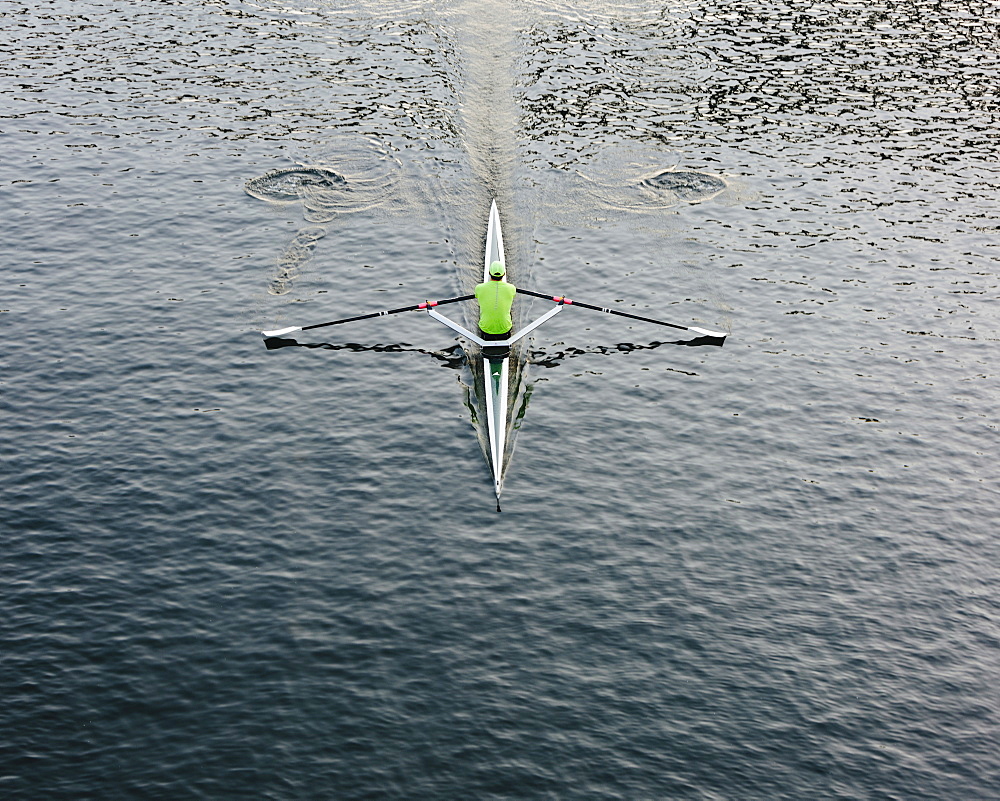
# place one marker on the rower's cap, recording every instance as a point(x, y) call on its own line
point(496, 270)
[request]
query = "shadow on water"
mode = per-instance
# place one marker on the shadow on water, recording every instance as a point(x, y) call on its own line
point(455, 356)
point(542, 358)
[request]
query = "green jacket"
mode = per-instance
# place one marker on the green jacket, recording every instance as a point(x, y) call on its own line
point(495, 299)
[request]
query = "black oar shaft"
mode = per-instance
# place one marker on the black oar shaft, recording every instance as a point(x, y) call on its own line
point(415, 307)
point(569, 302)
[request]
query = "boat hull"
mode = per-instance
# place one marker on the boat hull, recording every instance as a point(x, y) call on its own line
point(496, 363)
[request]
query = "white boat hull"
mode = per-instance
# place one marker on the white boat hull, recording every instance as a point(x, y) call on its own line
point(495, 358)
point(496, 368)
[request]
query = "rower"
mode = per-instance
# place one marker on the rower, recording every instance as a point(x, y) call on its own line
point(495, 297)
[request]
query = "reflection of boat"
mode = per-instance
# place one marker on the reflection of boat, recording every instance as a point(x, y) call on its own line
point(496, 354)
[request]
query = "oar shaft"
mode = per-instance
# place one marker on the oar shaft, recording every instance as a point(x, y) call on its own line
point(415, 307)
point(569, 302)
point(361, 317)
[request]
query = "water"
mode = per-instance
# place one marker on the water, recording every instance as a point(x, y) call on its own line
point(761, 571)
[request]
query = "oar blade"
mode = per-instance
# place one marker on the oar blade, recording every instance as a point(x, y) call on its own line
point(281, 331)
point(707, 333)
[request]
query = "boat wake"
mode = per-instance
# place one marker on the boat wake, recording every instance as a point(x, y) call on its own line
point(294, 259)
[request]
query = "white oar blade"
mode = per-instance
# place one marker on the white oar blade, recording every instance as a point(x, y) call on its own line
point(281, 332)
point(707, 333)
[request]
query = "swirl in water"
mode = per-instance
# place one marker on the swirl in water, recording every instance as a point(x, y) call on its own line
point(357, 177)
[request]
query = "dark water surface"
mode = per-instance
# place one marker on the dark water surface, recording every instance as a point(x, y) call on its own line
point(767, 571)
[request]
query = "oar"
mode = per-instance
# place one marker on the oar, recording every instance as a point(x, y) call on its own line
point(569, 302)
point(425, 305)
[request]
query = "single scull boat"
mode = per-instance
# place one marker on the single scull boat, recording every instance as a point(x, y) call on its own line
point(495, 355)
point(496, 363)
